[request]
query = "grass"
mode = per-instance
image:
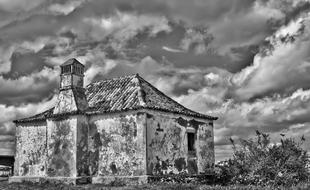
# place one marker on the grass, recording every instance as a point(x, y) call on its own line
point(4, 185)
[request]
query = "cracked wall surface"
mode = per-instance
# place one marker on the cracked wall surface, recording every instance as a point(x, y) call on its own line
point(61, 147)
point(82, 146)
point(65, 102)
point(71, 97)
point(167, 146)
point(205, 149)
point(119, 144)
point(128, 144)
point(30, 150)
point(66, 80)
point(77, 80)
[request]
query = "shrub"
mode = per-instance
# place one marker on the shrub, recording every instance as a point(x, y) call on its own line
point(223, 173)
point(259, 162)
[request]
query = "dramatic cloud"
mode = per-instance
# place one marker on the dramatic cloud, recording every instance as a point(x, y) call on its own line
point(18, 5)
point(64, 8)
point(10, 113)
point(284, 69)
point(245, 61)
point(30, 88)
point(272, 115)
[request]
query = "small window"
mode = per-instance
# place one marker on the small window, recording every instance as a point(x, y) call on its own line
point(191, 142)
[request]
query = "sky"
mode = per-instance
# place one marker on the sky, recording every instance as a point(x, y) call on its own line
point(244, 61)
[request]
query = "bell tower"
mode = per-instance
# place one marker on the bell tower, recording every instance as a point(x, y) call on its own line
point(71, 97)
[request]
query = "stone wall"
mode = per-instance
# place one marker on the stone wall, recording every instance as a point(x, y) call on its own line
point(30, 149)
point(167, 145)
point(117, 145)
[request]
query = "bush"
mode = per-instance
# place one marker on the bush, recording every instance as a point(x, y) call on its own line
point(259, 162)
point(223, 173)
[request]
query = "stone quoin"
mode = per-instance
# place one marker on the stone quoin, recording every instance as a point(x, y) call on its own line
point(116, 129)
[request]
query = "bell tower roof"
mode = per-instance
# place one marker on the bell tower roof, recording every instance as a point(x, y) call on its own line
point(71, 62)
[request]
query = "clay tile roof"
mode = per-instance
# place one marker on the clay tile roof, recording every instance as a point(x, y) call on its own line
point(127, 93)
point(39, 117)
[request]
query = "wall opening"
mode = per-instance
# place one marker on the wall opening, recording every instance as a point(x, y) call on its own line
point(66, 69)
point(191, 143)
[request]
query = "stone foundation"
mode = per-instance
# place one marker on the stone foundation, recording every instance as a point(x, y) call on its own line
point(120, 180)
point(117, 180)
point(64, 180)
point(106, 180)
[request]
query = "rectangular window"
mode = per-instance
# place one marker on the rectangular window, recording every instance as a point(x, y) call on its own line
point(191, 142)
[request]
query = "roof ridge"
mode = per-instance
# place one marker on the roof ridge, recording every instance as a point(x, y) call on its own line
point(114, 78)
point(141, 92)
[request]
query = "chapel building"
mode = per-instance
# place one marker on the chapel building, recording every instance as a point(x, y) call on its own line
point(115, 129)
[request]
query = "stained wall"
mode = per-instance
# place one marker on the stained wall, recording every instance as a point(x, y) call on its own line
point(30, 149)
point(65, 102)
point(205, 148)
point(62, 147)
point(82, 146)
point(128, 144)
point(167, 145)
point(117, 145)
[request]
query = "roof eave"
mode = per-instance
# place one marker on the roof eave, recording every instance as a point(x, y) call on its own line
point(29, 120)
point(26, 120)
point(200, 116)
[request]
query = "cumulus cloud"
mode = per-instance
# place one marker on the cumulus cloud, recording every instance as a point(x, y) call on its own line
point(64, 8)
point(284, 69)
point(5, 52)
point(273, 115)
point(241, 60)
point(9, 113)
point(123, 26)
point(30, 88)
point(197, 40)
point(18, 5)
point(172, 49)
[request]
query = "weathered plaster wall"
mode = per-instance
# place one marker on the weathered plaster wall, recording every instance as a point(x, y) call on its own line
point(82, 146)
point(65, 102)
point(71, 96)
point(167, 149)
point(119, 144)
point(77, 80)
point(62, 147)
point(128, 144)
point(65, 80)
point(31, 150)
point(205, 148)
